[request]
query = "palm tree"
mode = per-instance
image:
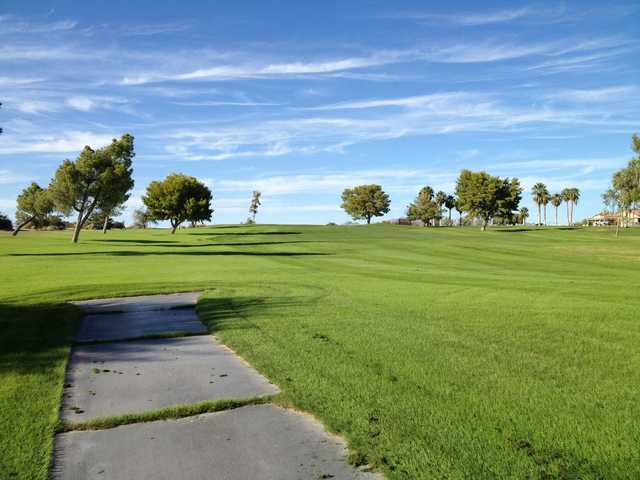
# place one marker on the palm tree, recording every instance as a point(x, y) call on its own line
point(545, 202)
point(556, 201)
point(450, 203)
point(573, 195)
point(565, 197)
point(524, 214)
point(540, 197)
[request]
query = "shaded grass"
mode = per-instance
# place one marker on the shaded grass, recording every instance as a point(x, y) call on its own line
point(169, 413)
point(435, 352)
point(34, 347)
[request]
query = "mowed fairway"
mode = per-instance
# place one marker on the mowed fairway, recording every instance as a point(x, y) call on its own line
point(437, 353)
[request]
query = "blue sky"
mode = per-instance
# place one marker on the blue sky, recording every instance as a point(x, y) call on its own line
point(302, 99)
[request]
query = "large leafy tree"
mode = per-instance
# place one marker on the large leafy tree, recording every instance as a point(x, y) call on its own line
point(178, 198)
point(98, 178)
point(365, 202)
point(34, 205)
point(556, 201)
point(425, 207)
point(540, 196)
point(624, 193)
point(484, 196)
point(509, 201)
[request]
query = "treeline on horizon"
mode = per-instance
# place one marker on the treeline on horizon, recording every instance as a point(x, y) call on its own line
point(96, 185)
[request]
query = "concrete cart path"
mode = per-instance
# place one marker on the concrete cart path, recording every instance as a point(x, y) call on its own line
point(131, 377)
point(140, 303)
point(134, 376)
point(132, 317)
point(262, 442)
point(120, 326)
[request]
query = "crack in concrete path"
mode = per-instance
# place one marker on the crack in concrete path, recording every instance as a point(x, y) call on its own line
point(133, 377)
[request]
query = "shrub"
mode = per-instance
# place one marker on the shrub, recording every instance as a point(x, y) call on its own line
point(5, 222)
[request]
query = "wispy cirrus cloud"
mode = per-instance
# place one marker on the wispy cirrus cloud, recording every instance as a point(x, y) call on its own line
point(11, 24)
point(272, 70)
point(595, 95)
point(470, 19)
point(371, 120)
point(64, 142)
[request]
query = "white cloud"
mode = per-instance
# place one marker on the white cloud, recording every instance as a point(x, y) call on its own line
point(9, 82)
point(10, 24)
point(606, 94)
point(214, 103)
point(81, 103)
point(274, 70)
point(370, 120)
point(10, 52)
point(66, 142)
point(330, 182)
point(35, 106)
point(470, 19)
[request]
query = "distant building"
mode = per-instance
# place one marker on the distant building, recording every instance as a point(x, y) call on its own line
point(607, 219)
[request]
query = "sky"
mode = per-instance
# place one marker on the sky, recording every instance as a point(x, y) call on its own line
point(303, 99)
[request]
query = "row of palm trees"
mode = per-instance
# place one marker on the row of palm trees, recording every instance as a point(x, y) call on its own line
point(542, 197)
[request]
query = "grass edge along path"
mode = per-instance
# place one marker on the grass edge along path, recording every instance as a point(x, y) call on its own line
point(169, 413)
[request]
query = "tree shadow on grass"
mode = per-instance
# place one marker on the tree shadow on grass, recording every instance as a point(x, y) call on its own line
point(35, 337)
point(532, 229)
point(235, 313)
point(217, 244)
point(140, 242)
point(245, 233)
point(134, 253)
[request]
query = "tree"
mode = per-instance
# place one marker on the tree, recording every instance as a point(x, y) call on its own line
point(365, 202)
point(440, 199)
point(140, 219)
point(5, 222)
point(424, 208)
point(450, 204)
point(540, 197)
point(510, 201)
point(178, 198)
point(484, 196)
point(625, 187)
point(556, 201)
point(255, 203)
point(103, 220)
point(34, 204)
point(571, 196)
point(97, 179)
point(459, 210)
point(613, 201)
point(523, 215)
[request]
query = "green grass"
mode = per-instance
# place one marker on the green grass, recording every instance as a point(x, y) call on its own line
point(437, 353)
point(169, 413)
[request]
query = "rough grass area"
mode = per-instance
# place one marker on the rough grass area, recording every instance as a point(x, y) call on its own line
point(437, 353)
